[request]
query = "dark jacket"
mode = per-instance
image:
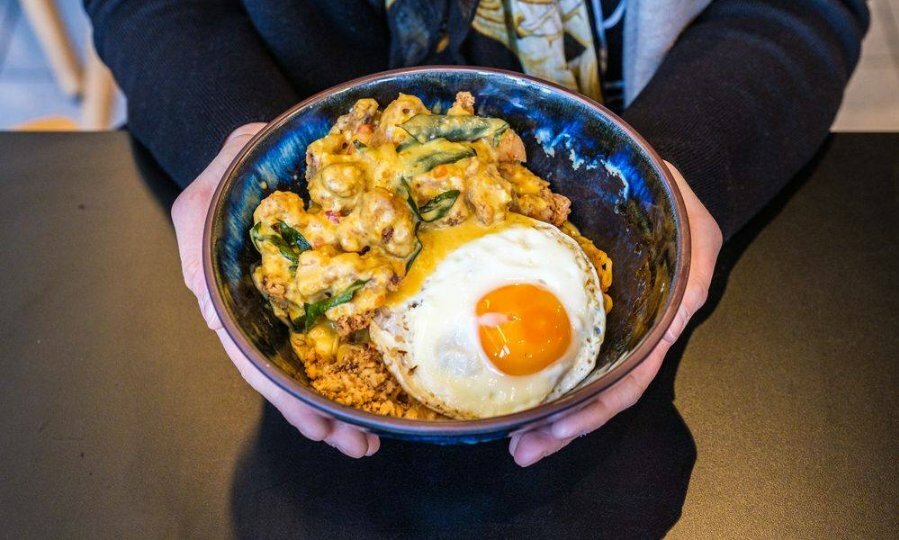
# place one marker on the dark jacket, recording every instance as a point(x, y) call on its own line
point(740, 103)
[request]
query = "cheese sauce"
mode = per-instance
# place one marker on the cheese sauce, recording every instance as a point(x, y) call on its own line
point(437, 243)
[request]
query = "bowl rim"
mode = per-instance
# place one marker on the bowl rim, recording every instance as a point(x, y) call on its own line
point(449, 428)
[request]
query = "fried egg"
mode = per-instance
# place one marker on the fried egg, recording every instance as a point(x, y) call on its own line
point(494, 322)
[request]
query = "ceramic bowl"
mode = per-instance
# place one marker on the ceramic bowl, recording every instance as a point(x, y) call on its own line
point(623, 198)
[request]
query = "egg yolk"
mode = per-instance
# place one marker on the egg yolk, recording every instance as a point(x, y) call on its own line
point(523, 328)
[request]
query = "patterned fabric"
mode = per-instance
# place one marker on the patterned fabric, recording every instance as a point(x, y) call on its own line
point(551, 39)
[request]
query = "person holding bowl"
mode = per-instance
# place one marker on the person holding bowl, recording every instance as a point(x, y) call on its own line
point(736, 95)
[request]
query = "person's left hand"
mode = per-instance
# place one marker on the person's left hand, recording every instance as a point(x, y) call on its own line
point(189, 216)
point(532, 446)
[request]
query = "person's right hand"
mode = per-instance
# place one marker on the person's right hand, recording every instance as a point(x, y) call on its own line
point(189, 216)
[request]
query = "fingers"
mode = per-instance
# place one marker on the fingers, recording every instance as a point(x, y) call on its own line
point(374, 444)
point(532, 446)
point(349, 440)
point(529, 448)
point(189, 214)
point(212, 175)
point(620, 396)
point(706, 240)
point(346, 438)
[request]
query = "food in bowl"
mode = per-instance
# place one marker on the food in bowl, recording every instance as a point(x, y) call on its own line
point(432, 273)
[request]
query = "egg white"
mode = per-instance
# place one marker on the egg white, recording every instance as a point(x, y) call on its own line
point(430, 341)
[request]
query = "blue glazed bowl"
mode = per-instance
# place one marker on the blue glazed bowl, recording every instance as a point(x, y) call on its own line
point(622, 197)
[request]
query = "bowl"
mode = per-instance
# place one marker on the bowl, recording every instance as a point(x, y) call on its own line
point(622, 195)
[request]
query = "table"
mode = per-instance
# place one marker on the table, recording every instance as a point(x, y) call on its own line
point(122, 417)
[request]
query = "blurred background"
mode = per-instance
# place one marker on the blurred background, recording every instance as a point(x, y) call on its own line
point(50, 78)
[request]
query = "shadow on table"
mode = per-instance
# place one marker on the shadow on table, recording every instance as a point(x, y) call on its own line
point(629, 479)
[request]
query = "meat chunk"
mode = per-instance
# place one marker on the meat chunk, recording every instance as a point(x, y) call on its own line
point(355, 376)
point(280, 205)
point(327, 272)
point(488, 193)
point(398, 111)
point(348, 324)
point(532, 197)
point(438, 180)
point(287, 206)
point(463, 105)
point(337, 187)
point(382, 219)
point(510, 147)
point(358, 124)
point(329, 149)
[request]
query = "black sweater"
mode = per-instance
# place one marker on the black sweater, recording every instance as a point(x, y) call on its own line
point(739, 104)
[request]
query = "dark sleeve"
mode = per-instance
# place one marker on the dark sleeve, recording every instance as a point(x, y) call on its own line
point(192, 72)
point(747, 94)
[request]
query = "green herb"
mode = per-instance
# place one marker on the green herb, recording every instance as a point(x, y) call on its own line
point(289, 241)
point(438, 207)
point(428, 127)
point(430, 211)
point(421, 158)
point(435, 208)
point(428, 162)
point(415, 253)
point(359, 144)
point(410, 200)
point(497, 135)
point(297, 320)
point(286, 250)
point(406, 144)
point(317, 309)
point(293, 237)
point(256, 236)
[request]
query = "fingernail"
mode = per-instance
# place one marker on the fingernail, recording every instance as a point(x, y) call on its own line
point(527, 462)
point(513, 444)
point(352, 452)
point(563, 431)
point(373, 445)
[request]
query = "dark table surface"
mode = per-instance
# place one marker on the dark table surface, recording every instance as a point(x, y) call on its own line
point(121, 416)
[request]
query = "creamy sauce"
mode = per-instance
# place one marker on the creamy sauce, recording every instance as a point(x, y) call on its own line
point(438, 243)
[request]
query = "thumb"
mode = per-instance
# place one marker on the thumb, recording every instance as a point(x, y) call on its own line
point(189, 217)
point(210, 178)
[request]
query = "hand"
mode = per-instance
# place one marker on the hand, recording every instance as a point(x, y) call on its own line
point(189, 215)
point(532, 446)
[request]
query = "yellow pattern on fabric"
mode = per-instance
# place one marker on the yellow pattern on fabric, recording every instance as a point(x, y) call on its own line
point(534, 30)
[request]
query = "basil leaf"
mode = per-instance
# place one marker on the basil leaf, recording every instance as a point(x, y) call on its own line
point(428, 127)
point(293, 237)
point(415, 253)
point(428, 162)
point(498, 134)
point(297, 320)
point(410, 200)
point(286, 250)
point(411, 141)
point(439, 205)
point(317, 309)
point(421, 158)
point(256, 236)
point(359, 144)
point(289, 241)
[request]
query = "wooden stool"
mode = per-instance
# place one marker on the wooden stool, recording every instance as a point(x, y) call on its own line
point(94, 84)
